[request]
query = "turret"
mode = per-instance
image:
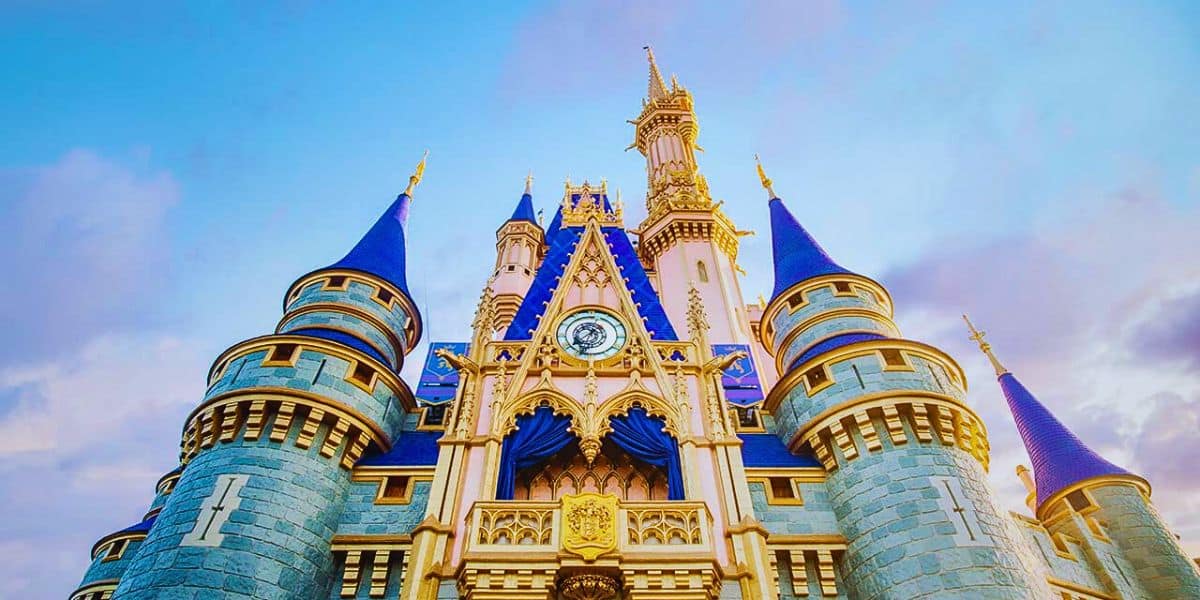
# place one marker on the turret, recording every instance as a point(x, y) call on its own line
point(519, 246)
point(112, 554)
point(1080, 493)
point(906, 457)
point(267, 455)
point(686, 236)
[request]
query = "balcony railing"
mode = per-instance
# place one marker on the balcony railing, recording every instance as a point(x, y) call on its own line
point(640, 528)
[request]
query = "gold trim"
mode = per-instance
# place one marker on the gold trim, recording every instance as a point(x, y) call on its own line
point(1044, 511)
point(384, 372)
point(1079, 589)
point(351, 310)
point(412, 329)
point(787, 382)
point(780, 301)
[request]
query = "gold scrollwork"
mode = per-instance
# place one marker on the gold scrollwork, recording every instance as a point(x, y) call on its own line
point(516, 526)
point(663, 527)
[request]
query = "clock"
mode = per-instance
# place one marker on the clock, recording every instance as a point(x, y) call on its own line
point(591, 335)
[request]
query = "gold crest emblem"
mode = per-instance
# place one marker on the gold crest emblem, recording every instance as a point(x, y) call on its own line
point(589, 524)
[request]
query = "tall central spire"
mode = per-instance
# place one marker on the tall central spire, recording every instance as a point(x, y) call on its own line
point(657, 87)
point(665, 133)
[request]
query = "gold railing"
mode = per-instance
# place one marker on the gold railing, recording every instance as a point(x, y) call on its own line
point(634, 528)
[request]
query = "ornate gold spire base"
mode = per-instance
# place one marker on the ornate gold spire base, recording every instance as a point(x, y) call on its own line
point(589, 586)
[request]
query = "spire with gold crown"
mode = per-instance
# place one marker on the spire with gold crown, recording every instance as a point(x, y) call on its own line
point(1060, 460)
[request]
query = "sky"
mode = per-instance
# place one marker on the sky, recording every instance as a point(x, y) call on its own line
point(168, 169)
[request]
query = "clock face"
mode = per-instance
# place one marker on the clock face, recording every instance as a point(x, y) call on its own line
point(591, 335)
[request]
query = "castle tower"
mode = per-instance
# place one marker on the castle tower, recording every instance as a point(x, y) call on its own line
point(112, 554)
point(267, 455)
point(519, 245)
point(906, 457)
point(686, 238)
point(1084, 497)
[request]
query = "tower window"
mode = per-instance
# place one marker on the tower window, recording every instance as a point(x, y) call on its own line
point(282, 354)
point(816, 377)
point(702, 271)
point(748, 418)
point(337, 282)
point(782, 488)
point(1078, 500)
point(116, 550)
point(395, 487)
point(363, 375)
point(893, 358)
point(384, 296)
point(842, 287)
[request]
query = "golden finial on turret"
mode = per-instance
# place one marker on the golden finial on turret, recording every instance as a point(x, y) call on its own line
point(415, 178)
point(529, 182)
point(979, 337)
point(762, 176)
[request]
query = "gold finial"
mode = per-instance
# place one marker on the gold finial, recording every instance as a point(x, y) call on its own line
point(762, 176)
point(979, 337)
point(529, 182)
point(415, 178)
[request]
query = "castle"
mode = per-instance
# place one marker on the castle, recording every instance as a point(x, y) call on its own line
point(621, 425)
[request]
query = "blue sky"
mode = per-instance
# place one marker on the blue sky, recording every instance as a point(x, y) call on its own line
point(168, 170)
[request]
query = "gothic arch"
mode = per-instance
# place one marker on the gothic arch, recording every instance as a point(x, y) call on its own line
point(528, 402)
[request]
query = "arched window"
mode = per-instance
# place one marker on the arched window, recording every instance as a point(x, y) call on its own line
point(702, 271)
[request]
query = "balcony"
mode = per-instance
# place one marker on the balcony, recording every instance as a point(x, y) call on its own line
point(603, 525)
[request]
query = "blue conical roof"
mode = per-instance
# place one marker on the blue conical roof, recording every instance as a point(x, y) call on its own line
point(797, 255)
point(381, 252)
point(524, 210)
point(1059, 458)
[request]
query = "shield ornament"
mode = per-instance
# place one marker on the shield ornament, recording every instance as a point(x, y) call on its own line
point(589, 524)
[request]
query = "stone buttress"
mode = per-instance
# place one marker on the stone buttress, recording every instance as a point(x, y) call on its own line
point(268, 454)
point(907, 458)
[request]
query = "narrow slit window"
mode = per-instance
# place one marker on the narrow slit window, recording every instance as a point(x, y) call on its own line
point(702, 271)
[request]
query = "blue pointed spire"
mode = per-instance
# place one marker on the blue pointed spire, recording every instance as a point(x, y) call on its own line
point(381, 252)
point(1060, 459)
point(524, 210)
point(797, 255)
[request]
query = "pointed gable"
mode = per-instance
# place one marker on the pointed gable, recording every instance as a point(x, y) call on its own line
point(564, 247)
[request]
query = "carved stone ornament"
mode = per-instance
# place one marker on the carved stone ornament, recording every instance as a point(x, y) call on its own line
point(588, 586)
point(589, 524)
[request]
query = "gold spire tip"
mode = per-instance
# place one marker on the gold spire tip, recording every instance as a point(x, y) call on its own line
point(415, 178)
point(529, 182)
point(762, 176)
point(980, 337)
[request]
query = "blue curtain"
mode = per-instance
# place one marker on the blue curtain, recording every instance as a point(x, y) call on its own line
point(642, 436)
point(537, 437)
